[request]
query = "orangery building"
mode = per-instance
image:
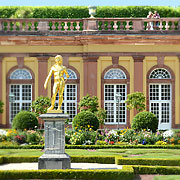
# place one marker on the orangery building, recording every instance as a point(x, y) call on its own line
point(102, 60)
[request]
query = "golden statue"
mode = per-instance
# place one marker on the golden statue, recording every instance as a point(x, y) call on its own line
point(59, 83)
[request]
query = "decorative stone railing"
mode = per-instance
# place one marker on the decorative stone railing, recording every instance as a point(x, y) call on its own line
point(89, 24)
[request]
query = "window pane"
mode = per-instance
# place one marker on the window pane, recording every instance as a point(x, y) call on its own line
point(26, 92)
point(154, 92)
point(165, 92)
point(155, 109)
point(122, 90)
point(165, 109)
point(109, 92)
point(121, 113)
point(15, 108)
point(109, 107)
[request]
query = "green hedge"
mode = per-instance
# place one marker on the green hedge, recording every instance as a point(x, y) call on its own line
point(82, 11)
point(93, 159)
point(122, 147)
point(151, 162)
point(156, 170)
point(127, 173)
point(97, 147)
point(18, 159)
point(74, 159)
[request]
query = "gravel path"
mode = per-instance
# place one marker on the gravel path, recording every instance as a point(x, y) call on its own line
point(34, 166)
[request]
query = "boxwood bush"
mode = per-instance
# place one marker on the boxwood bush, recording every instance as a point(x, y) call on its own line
point(25, 120)
point(84, 119)
point(145, 120)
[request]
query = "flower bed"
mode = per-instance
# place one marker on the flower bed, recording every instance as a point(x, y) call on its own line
point(90, 137)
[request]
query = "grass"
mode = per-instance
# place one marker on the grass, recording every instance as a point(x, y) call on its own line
point(130, 153)
point(170, 177)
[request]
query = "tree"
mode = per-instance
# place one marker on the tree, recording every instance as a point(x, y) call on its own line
point(136, 101)
point(101, 115)
point(89, 103)
point(40, 105)
point(1, 106)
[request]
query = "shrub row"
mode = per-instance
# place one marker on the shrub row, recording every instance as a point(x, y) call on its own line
point(18, 159)
point(99, 159)
point(97, 147)
point(74, 159)
point(82, 11)
point(122, 147)
point(156, 170)
point(127, 173)
point(150, 162)
point(93, 159)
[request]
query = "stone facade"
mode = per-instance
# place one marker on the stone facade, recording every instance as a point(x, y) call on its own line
point(91, 53)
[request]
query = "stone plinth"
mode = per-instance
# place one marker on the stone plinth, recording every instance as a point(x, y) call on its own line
point(54, 156)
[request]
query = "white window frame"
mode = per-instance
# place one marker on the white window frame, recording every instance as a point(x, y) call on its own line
point(114, 102)
point(162, 125)
point(20, 101)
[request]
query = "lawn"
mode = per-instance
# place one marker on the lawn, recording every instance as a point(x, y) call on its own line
point(171, 177)
point(131, 153)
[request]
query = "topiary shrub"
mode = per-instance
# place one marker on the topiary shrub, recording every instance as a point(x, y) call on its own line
point(85, 119)
point(24, 120)
point(145, 120)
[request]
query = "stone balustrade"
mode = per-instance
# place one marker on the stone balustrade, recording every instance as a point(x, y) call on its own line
point(88, 24)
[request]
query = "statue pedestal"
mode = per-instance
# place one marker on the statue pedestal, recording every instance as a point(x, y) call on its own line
point(54, 156)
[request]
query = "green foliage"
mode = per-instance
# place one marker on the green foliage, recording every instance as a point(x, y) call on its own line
point(148, 161)
point(136, 101)
point(115, 174)
point(40, 105)
point(34, 138)
point(89, 103)
point(7, 11)
point(1, 106)
point(101, 115)
point(24, 120)
point(83, 137)
point(93, 159)
point(82, 11)
point(84, 119)
point(100, 142)
point(145, 120)
point(61, 12)
point(156, 170)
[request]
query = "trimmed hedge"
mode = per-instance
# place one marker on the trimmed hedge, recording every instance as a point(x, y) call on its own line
point(82, 11)
point(93, 159)
point(126, 173)
point(18, 159)
point(122, 147)
point(97, 147)
point(148, 161)
point(74, 159)
point(98, 159)
point(156, 170)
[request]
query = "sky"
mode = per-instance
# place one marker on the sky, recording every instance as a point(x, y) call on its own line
point(173, 3)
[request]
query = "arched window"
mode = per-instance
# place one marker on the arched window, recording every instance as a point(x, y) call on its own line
point(72, 74)
point(115, 92)
point(160, 73)
point(115, 74)
point(160, 94)
point(70, 95)
point(21, 89)
point(20, 74)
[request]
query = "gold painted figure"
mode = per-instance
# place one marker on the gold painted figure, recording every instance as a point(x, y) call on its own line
point(59, 83)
